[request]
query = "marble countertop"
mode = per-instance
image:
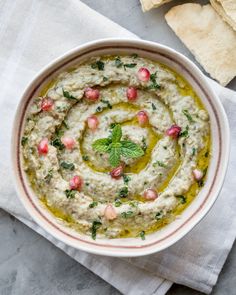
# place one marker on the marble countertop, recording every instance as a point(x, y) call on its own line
point(31, 265)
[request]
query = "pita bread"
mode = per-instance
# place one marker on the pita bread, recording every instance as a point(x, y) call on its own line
point(149, 4)
point(211, 40)
point(227, 10)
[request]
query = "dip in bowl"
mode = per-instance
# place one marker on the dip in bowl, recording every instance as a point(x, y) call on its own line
point(119, 148)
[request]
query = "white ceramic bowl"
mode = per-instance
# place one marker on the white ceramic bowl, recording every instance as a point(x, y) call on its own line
point(195, 211)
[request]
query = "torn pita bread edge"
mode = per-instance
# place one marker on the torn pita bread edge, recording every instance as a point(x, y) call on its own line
point(150, 4)
point(175, 24)
point(220, 10)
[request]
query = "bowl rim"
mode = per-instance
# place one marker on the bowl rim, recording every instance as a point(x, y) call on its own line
point(195, 73)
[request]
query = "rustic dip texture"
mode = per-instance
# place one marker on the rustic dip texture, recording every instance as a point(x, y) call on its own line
point(74, 179)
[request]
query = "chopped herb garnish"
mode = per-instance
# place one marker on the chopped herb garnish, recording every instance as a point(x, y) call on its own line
point(58, 144)
point(105, 79)
point(87, 183)
point(85, 157)
point(134, 55)
point(201, 181)
point(133, 204)
point(118, 203)
point(95, 226)
point(142, 235)
point(68, 95)
point(158, 215)
point(65, 124)
point(132, 65)
point(48, 177)
point(24, 140)
point(165, 147)
point(123, 193)
point(70, 194)
point(99, 109)
point(113, 125)
point(127, 214)
point(107, 103)
point(153, 106)
point(184, 133)
point(193, 151)
point(144, 144)
point(206, 154)
point(159, 163)
point(118, 62)
point(93, 204)
point(126, 179)
point(68, 166)
point(188, 116)
point(182, 199)
point(98, 65)
point(154, 84)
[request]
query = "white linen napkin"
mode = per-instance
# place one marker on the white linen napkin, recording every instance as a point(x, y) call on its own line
point(32, 33)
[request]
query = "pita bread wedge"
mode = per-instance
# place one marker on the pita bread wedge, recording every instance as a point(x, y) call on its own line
point(211, 40)
point(227, 10)
point(149, 4)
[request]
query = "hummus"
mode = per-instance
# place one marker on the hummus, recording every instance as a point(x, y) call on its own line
point(117, 146)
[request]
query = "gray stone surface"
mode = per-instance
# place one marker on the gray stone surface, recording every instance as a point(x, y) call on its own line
point(29, 264)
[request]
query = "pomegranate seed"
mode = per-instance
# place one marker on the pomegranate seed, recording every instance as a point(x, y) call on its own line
point(142, 117)
point(92, 122)
point(110, 212)
point(173, 131)
point(47, 104)
point(76, 182)
point(92, 94)
point(117, 172)
point(131, 93)
point(143, 74)
point(68, 142)
point(150, 194)
point(198, 174)
point(43, 147)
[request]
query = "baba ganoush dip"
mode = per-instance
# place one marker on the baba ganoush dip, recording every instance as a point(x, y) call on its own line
point(117, 146)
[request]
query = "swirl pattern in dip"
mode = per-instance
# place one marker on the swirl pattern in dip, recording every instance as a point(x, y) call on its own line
point(154, 111)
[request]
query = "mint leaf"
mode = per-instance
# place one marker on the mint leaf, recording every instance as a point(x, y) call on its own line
point(102, 144)
point(188, 116)
point(116, 133)
point(114, 158)
point(130, 149)
point(95, 226)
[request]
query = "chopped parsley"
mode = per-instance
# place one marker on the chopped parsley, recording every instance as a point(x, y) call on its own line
point(126, 179)
point(144, 144)
point(68, 166)
point(193, 151)
point(24, 140)
point(133, 204)
point(68, 95)
point(93, 204)
point(70, 194)
point(154, 84)
point(48, 177)
point(98, 65)
point(159, 163)
point(127, 214)
point(132, 65)
point(123, 193)
point(113, 125)
point(206, 154)
point(65, 124)
point(95, 226)
point(99, 109)
point(182, 199)
point(154, 106)
point(107, 103)
point(105, 79)
point(184, 133)
point(57, 143)
point(142, 235)
point(118, 62)
point(201, 181)
point(159, 215)
point(134, 55)
point(118, 203)
point(188, 116)
point(85, 157)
